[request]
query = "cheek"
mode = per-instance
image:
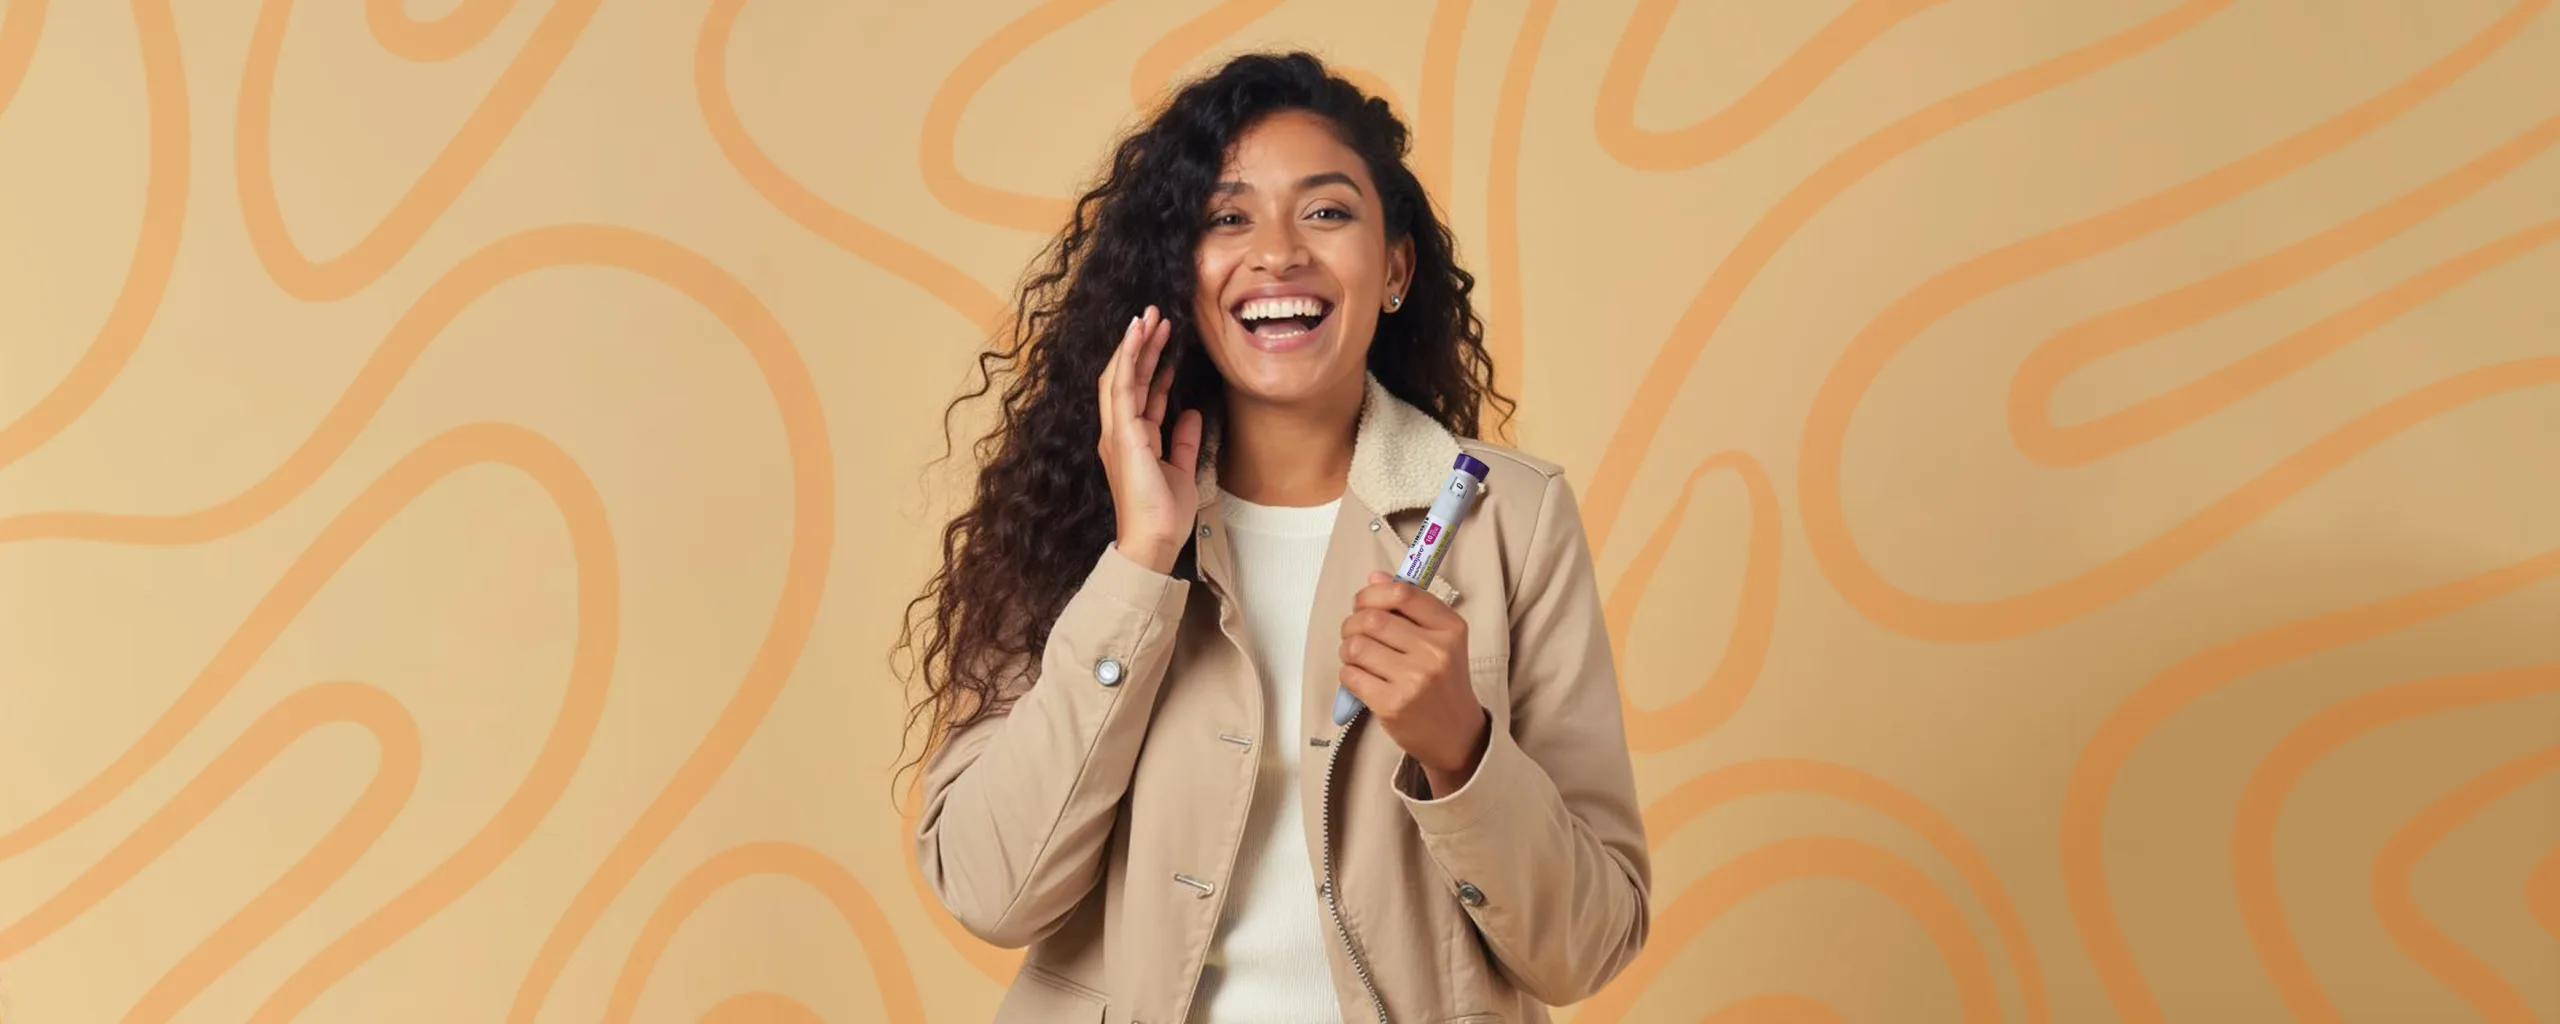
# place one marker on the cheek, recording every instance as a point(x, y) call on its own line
point(1210, 270)
point(1359, 262)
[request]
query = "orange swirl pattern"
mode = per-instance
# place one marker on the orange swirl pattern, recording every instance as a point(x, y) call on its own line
point(2429, 947)
point(2262, 803)
point(2057, 457)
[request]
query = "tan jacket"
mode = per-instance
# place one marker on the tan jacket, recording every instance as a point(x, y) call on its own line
point(1098, 821)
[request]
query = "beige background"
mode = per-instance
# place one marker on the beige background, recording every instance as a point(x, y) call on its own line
point(2074, 484)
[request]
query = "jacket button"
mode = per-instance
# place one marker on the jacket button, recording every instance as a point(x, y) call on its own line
point(1204, 533)
point(1107, 672)
point(1376, 524)
point(1470, 895)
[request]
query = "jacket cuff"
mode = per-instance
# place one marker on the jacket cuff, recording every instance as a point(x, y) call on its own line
point(1121, 578)
point(1122, 614)
point(1442, 814)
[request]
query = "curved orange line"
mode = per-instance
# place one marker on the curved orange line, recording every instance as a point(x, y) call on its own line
point(937, 153)
point(1153, 76)
point(1795, 859)
point(1746, 646)
point(445, 38)
point(796, 608)
point(1751, 778)
point(2542, 892)
point(2428, 946)
point(573, 726)
point(766, 343)
point(155, 253)
point(1661, 383)
point(938, 150)
point(582, 705)
point(1166, 57)
point(1774, 1008)
point(948, 283)
point(1504, 329)
point(428, 197)
point(1843, 389)
point(1435, 142)
point(395, 778)
point(2057, 603)
point(1739, 122)
point(2253, 834)
point(790, 860)
point(2093, 777)
point(760, 1008)
point(21, 24)
point(2074, 348)
point(305, 711)
point(294, 591)
point(2031, 392)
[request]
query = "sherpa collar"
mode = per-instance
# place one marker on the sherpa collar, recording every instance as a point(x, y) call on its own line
point(1400, 456)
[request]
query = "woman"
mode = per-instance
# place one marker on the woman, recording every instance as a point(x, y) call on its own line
point(1238, 381)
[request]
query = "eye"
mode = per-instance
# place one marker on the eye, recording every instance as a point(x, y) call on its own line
point(1332, 213)
point(1226, 219)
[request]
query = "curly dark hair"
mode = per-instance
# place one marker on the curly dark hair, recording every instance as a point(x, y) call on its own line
point(1041, 509)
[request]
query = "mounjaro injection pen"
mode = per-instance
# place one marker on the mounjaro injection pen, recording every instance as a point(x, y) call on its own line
point(1466, 482)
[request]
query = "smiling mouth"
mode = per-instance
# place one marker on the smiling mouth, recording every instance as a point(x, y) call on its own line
point(1282, 319)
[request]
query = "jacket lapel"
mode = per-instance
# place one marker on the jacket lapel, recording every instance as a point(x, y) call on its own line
point(1400, 458)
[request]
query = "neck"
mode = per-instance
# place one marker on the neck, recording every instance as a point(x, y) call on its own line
point(1290, 455)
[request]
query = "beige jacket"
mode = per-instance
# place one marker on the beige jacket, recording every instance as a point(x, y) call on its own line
point(1098, 819)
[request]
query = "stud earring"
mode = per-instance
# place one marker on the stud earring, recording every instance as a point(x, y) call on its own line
point(1395, 302)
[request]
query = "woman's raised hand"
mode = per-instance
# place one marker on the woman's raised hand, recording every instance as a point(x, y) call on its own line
point(1154, 494)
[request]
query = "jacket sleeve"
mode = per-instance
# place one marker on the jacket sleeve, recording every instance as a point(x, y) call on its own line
point(1547, 831)
point(1017, 805)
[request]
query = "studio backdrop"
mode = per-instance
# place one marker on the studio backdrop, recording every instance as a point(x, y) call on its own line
point(2076, 486)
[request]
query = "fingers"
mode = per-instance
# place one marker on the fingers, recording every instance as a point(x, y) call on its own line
point(1161, 371)
point(1366, 685)
point(1409, 601)
point(1107, 387)
point(1135, 364)
point(1120, 392)
point(1186, 442)
point(1386, 628)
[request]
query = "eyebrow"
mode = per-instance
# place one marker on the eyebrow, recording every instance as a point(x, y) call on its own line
point(1228, 188)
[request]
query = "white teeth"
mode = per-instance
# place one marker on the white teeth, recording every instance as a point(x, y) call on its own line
point(1288, 306)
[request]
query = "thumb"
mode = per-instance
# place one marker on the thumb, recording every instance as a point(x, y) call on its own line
point(1376, 577)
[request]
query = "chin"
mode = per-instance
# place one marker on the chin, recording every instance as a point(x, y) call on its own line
point(1267, 377)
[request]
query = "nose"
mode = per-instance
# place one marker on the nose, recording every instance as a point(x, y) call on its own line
point(1277, 246)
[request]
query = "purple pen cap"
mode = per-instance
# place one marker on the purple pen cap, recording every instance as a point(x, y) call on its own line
point(1473, 467)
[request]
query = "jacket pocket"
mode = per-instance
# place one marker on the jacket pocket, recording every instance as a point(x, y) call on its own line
point(1040, 997)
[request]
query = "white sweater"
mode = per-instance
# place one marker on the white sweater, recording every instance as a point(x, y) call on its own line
point(1268, 961)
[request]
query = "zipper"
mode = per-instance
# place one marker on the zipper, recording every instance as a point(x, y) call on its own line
point(1333, 905)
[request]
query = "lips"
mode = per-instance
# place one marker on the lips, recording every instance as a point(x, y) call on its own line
point(1277, 321)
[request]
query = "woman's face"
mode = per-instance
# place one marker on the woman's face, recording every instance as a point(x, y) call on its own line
point(1295, 267)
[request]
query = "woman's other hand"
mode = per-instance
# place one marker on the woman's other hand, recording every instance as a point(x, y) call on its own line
point(1404, 654)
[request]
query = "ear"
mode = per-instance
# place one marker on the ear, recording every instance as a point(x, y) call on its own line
point(1399, 267)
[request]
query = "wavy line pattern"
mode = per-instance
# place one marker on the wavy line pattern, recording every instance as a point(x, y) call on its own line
point(2426, 945)
point(2287, 494)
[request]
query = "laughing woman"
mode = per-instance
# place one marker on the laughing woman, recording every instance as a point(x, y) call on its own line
point(1236, 383)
